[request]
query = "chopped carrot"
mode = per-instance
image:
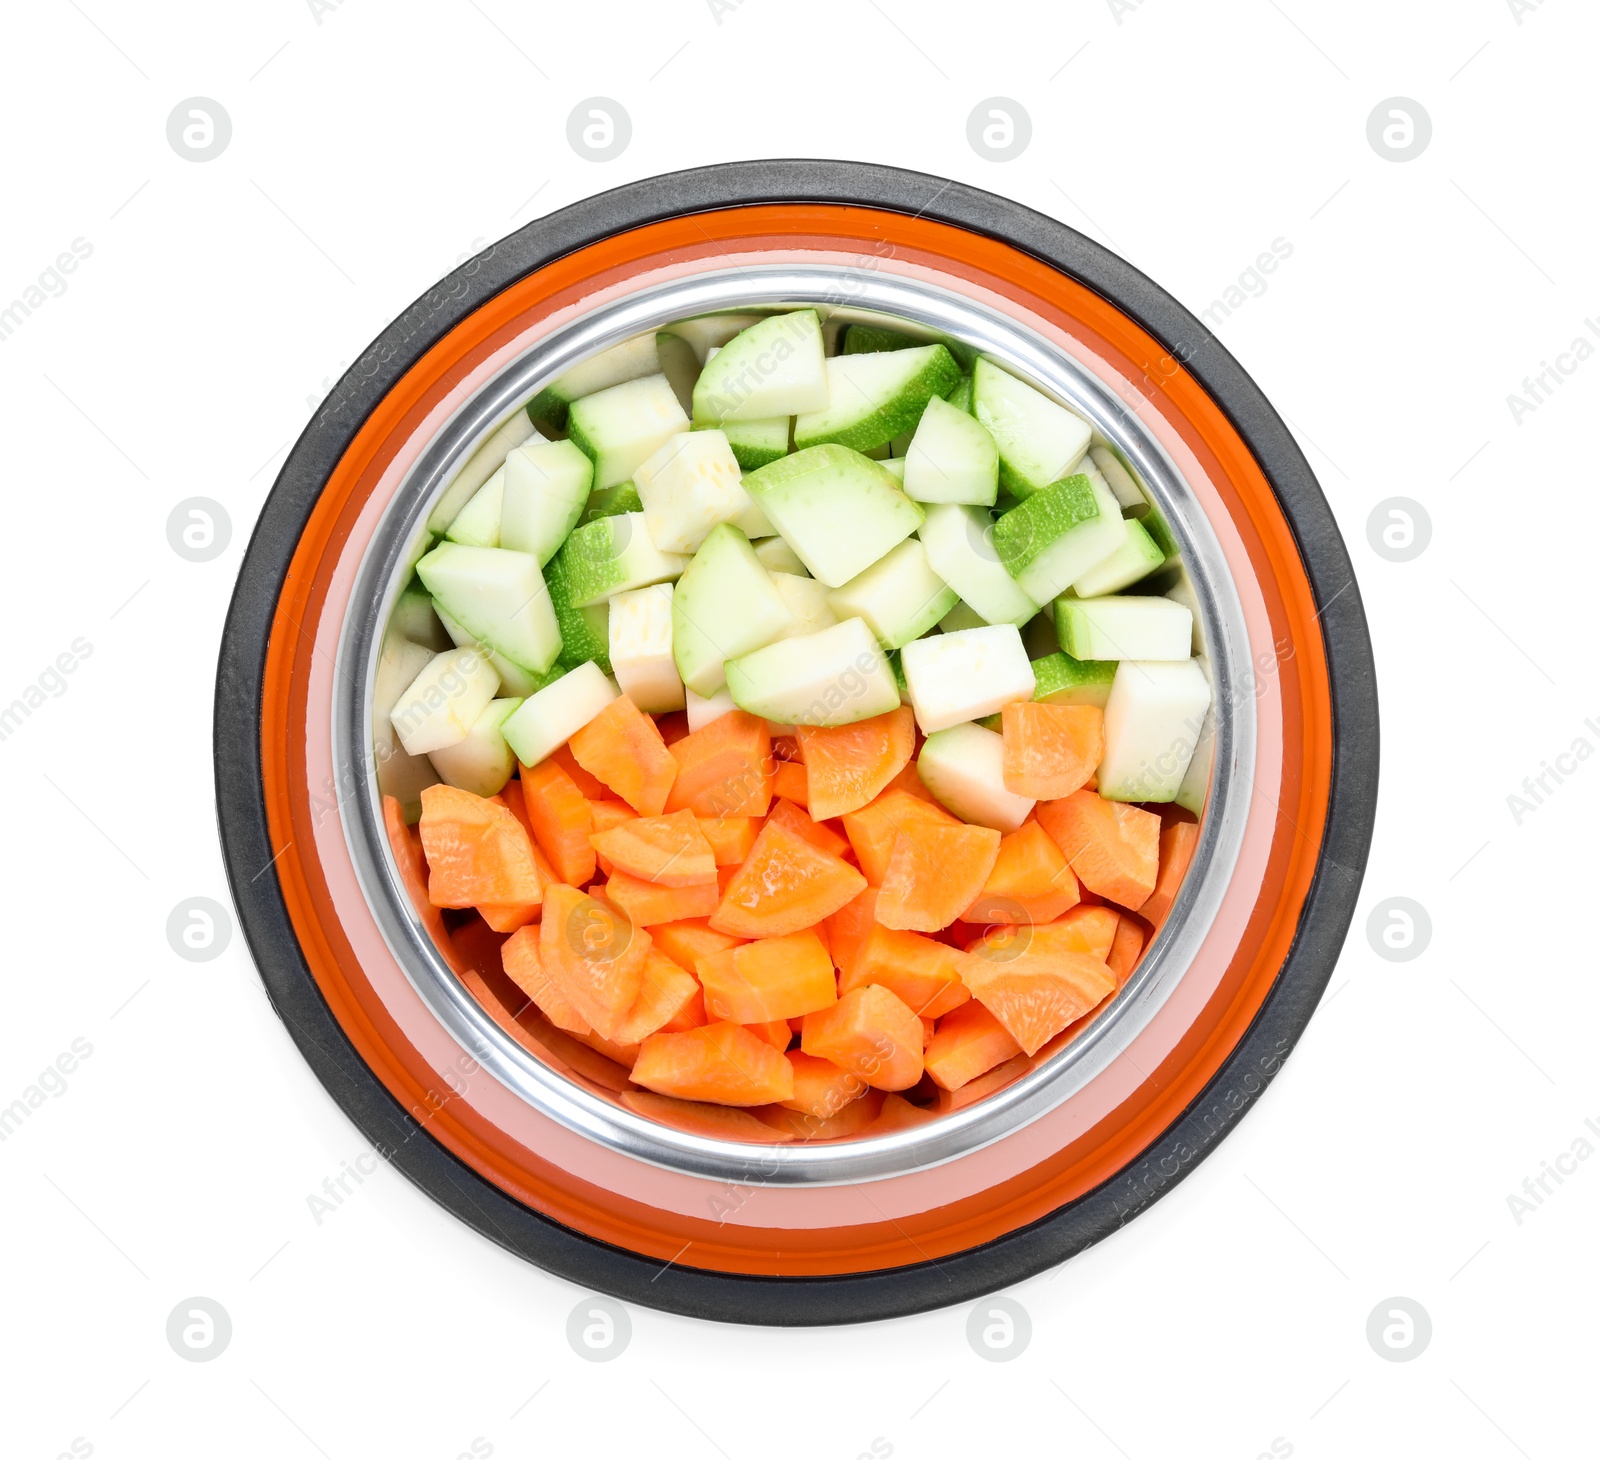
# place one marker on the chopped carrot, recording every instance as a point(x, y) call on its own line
point(851, 1120)
point(668, 850)
point(720, 1122)
point(910, 781)
point(648, 903)
point(723, 1064)
point(920, 972)
point(592, 789)
point(622, 748)
point(848, 928)
point(691, 1016)
point(800, 823)
point(520, 958)
point(724, 768)
point(872, 1034)
point(769, 979)
point(776, 1032)
point(821, 1088)
point(1031, 881)
point(1050, 751)
point(477, 851)
point(934, 873)
point(561, 820)
point(848, 765)
point(1126, 948)
point(897, 1113)
point(665, 991)
point(688, 940)
point(873, 828)
point(405, 842)
point(606, 814)
point(785, 884)
point(985, 1084)
point(673, 726)
point(731, 837)
point(594, 955)
point(789, 781)
point(968, 1042)
point(1039, 988)
point(1113, 847)
point(1178, 842)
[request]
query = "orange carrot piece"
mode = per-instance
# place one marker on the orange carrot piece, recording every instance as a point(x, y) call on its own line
point(919, 971)
point(789, 781)
point(477, 851)
point(785, 884)
point(985, 1084)
point(848, 928)
point(724, 768)
point(1050, 751)
point(934, 873)
point(622, 748)
point(1039, 989)
point(1090, 930)
point(592, 789)
point(1178, 842)
point(668, 850)
point(870, 1033)
point(649, 903)
point(1113, 847)
point(873, 828)
point(722, 1064)
point(799, 821)
point(776, 1032)
point(688, 940)
point(1031, 881)
point(665, 991)
point(910, 781)
point(1126, 948)
point(849, 1121)
point(691, 1016)
point(519, 956)
point(731, 837)
point(594, 955)
point(821, 1088)
point(770, 979)
point(561, 820)
point(897, 1113)
point(720, 1122)
point(405, 842)
point(969, 1042)
point(848, 765)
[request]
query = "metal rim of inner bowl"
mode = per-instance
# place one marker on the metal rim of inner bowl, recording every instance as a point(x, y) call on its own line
point(950, 1136)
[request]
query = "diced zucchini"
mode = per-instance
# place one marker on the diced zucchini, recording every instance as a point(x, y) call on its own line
point(961, 550)
point(866, 339)
point(478, 523)
point(478, 468)
point(839, 511)
point(1039, 441)
point(585, 632)
point(726, 605)
point(440, 705)
point(613, 555)
point(951, 458)
point(546, 490)
point(1137, 558)
point(400, 774)
point(1124, 628)
point(612, 501)
point(774, 368)
point(1054, 537)
point(755, 443)
point(961, 396)
point(413, 618)
point(481, 762)
point(547, 720)
point(499, 597)
point(620, 427)
point(1059, 679)
point(680, 364)
point(962, 616)
point(962, 676)
point(689, 486)
point(1196, 785)
point(514, 679)
point(631, 360)
point(964, 768)
point(807, 602)
point(899, 596)
point(873, 398)
point(778, 557)
point(641, 648)
point(1123, 487)
point(896, 467)
point(704, 709)
point(834, 677)
point(1153, 721)
point(708, 332)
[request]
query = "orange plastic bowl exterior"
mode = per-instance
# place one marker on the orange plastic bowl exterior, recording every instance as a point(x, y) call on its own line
point(1320, 819)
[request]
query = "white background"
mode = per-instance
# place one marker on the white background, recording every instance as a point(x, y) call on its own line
point(373, 148)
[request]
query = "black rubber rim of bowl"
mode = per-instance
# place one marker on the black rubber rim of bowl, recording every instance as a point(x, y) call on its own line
point(803, 1300)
